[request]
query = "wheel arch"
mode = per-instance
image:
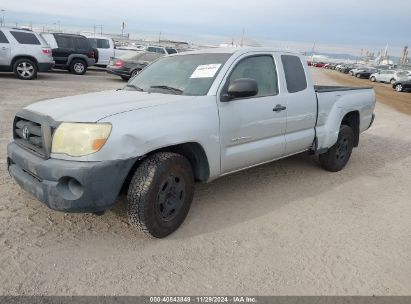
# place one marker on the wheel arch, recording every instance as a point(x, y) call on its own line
point(352, 119)
point(32, 58)
point(194, 153)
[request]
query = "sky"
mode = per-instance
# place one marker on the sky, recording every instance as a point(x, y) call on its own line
point(343, 26)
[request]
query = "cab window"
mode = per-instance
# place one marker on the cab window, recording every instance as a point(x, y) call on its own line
point(260, 68)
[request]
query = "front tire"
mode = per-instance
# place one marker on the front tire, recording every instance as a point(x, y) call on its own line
point(392, 81)
point(373, 79)
point(25, 69)
point(338, 155)
point(78, 67)
point(160, 194)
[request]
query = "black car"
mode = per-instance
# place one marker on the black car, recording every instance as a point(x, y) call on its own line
point(365, 73)
point(130, 64)
point(71, 52)
point(346, 69)
point(402, 85)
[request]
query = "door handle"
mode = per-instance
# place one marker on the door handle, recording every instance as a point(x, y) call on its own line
point(279, 108)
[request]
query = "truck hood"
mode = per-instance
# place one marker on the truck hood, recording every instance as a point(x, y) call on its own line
point(93, 107)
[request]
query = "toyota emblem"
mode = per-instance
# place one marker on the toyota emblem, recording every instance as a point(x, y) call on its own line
point(26, 133)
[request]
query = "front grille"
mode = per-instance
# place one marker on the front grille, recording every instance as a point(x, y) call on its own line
point(29, 134)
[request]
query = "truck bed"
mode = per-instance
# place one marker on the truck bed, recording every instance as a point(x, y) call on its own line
point(324, 89)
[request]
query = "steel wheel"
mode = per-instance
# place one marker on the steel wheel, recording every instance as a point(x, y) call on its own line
point(342, 148)
point(25, 69)
point(170, 197)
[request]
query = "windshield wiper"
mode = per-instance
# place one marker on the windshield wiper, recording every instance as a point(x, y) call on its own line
point(134, 87)
point(168, 88)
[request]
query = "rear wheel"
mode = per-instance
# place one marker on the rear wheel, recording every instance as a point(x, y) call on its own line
point(398, 87)
point(338, 155)
point(134, 73)
point(358, 75)
point(78, 67)
point(373, 79)
point(25, 69)
point(160, 194)
point(392, 81)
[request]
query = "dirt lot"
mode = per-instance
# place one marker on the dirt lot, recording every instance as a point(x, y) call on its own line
point(384, 92)
point(286, 228)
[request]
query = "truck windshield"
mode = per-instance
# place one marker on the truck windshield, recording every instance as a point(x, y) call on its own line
point(190, 74)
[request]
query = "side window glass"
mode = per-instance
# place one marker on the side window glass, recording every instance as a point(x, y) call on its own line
point(260, 68)
point(294, 73)
point(3, 38)
point(64, 42)
point(25, 38)
point(82, 43)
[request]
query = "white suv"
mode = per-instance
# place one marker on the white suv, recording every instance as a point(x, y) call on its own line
point(24, 52)
point(389, 76)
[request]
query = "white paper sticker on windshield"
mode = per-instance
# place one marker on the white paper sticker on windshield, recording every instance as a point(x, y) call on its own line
point(205, 71)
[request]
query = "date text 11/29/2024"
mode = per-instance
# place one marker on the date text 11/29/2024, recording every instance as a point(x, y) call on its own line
point(204, 299)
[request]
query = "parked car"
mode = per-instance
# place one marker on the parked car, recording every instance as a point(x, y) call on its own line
point(191, 117)
point(402, 85)
point(106, 49)
point(161, 50)
point(389, 76)
point(319, 64)
point(71, 52)
point(129, 65)
point(24, 53)
point(346, 69)
point(364, 72)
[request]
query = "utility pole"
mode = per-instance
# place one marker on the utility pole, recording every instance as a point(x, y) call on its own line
point(159, 37)
point(3, 22)
point(242, 38)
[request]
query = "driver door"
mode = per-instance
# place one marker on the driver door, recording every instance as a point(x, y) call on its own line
point(252, 129)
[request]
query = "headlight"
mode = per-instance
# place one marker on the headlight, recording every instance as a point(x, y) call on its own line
point(79, 139)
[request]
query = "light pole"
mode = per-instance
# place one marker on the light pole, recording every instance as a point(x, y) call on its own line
point(3, 23)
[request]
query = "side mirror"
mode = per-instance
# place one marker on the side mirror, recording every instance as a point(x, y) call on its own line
point(241, 88)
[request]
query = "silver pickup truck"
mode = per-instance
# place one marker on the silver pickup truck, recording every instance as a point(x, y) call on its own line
point(186, 118)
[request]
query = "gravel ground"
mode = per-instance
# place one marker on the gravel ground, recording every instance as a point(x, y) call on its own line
point(285, 228)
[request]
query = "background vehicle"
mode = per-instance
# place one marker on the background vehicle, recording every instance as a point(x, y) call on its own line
point(402, 85)
point(71, 52)
point(129, 65)
point(106, 49)
point(319, 64)
point(389, 76)
point(364, 72)
point(24, 52)
point(161, 50)
point(188, 117)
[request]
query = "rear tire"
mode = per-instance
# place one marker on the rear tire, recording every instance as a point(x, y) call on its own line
point(358, 76)
point(392, 81)
point(78, 67)
point(160, 194)
point(338, 155)
point(373, 79)
point(25, 69)
point(398, 87)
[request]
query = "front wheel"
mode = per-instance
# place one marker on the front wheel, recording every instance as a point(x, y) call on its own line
point(392, 81)
point(160, 194)
point(373, 79)
point(338, 155)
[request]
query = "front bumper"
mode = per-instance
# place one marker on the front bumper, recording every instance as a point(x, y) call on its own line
point(68, 186)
